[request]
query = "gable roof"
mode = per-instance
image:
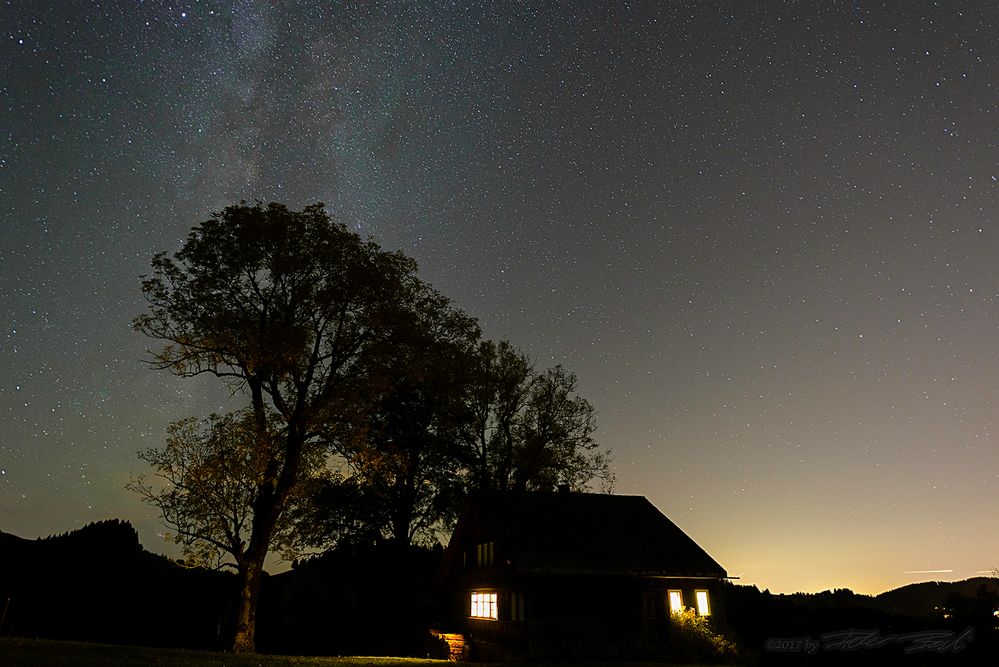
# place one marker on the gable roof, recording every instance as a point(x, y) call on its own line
point(584, 533)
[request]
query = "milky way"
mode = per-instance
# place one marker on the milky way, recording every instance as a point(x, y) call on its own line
point(762, 234)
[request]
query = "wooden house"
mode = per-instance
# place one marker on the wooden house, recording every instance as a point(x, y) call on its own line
point(570, 575)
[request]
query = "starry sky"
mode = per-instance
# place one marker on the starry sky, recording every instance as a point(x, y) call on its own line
point(763, 234)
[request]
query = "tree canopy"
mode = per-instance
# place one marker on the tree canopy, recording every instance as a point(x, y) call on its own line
point(289, 308)
point(402, 449)
point(207, 477)
point(529, 430)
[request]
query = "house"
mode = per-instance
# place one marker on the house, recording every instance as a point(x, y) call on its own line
point(570, 575)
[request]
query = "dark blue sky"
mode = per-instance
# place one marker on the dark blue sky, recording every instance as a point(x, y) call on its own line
point(762, 234)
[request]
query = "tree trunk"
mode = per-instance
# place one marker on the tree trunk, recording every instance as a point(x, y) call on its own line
point(270, 502)
point(402, 511)
point(245, 626)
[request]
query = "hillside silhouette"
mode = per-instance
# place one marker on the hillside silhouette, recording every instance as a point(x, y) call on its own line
point(935, 597)
point(98, 584)
point(893, 621)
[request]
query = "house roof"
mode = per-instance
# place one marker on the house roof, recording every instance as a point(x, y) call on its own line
point(584, 533)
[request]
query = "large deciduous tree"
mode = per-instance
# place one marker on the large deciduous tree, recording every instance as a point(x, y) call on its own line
point(292, 309)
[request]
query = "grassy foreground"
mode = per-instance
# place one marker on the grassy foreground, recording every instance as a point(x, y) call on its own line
point(16, 652)
point(41, 653)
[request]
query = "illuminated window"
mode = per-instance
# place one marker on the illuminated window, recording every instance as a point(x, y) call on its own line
point(702, 603)
point(484, 606)
point(675, 602)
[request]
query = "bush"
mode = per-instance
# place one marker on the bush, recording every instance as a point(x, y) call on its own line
point(694, 637)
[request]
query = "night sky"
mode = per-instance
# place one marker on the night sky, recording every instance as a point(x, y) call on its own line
point(764, 235)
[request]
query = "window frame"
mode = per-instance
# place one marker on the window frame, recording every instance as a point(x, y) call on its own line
point(483, 606)
point(703, 601)
point(484, 554)
point(679, 598)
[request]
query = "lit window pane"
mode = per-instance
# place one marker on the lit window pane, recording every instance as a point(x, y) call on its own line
point(484, 606)
point(702, 603)
point(675, 602)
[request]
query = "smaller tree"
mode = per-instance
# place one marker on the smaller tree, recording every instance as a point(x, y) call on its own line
point(207, 476)
point(342, 511)
point(529, 430)
point(401, 453)
point(555, 446)
point(498, 394)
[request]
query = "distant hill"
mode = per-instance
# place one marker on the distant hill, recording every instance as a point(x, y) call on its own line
point(757, 617)
point(12, 547)
point(928, 598)
point(105, 540)
point(98, 584)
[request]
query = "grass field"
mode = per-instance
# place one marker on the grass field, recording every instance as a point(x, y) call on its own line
point(43, 653)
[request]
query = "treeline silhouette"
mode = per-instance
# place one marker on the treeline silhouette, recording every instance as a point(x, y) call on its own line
point(374, 599)
point(98, 584)
point(887, 629)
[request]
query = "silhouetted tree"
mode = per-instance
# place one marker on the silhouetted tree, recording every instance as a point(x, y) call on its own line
point(401, 450)
point(496, 398)
point(209, 473)
point(289, 308)
point(406, 449)
point(555, 446)
point(451, 415)
point(341, 512)
point(529, 430)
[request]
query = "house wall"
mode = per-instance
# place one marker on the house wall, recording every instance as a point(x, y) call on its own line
point(688, 587)
point(583, 617)
point(570, 617)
